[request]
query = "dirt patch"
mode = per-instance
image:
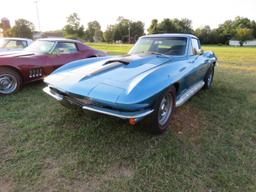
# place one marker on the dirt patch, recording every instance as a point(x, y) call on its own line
point(186, 118)
point(118, 172)
point(3, 127)
point(49, 179)
point(188, 123)
point(252, 97)
point(5, 185)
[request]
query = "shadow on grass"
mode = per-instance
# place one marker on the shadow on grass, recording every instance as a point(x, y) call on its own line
point(81, 147)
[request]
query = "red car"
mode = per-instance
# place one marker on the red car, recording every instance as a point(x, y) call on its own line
point(39, 60)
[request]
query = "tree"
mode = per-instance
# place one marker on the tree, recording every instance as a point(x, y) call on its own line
point(121, 30)
point(203, 34)
point(253, 27)
point(171, 26)
point(183, 26)
point(109, 34)
point(228, 29)
point(243, 34)
point(93, 32)
point(207, 35)
point(153, 28)
point(73, 28)
point(22, 28)
point(136, 30)
point(167, 26)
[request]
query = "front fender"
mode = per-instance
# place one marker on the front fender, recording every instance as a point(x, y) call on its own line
point(144, 89)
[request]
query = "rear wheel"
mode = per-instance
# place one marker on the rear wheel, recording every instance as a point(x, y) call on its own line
point(159, 120)
point(10, 81)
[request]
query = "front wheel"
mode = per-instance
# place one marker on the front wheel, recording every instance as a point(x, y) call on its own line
point(159, 120)
point(10, 81)
point(208, 80)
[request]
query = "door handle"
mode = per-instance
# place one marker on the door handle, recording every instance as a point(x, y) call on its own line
point(207, 61)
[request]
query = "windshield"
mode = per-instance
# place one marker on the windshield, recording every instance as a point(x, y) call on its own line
point(3, 43)
point(43, 47)
point(160, 45)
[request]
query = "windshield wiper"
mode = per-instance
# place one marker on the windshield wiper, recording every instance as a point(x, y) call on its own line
point(153, 53)
point(157, 53)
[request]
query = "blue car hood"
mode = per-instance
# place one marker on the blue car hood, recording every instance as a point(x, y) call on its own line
point(105, 79)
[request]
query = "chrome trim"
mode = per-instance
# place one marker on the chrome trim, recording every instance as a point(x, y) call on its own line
point(189, 93)
point(114, 113)
point(54, 95)
point(122, 115)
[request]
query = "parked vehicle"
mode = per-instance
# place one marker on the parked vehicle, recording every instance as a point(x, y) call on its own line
point(160, 72)
point(14, 44)
point(38, 60)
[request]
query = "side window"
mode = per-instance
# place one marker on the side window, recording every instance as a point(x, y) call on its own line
point(12, 44)
point(195, 47)
point(65, 48)
point(24, 44)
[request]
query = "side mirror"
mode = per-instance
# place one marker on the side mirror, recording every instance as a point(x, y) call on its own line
point(197, 52)
point(200, 52)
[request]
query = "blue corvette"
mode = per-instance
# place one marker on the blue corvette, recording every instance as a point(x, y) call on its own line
point(161, 72)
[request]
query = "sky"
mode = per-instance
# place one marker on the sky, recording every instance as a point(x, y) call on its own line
point(53, 13)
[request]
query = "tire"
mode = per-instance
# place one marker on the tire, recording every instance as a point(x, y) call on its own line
point(159, 120)
point(10, 81)
point(208, 80)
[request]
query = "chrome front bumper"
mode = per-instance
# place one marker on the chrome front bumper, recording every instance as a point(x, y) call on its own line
point(120, 114)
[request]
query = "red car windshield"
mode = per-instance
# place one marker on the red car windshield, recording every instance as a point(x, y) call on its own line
point(42, 47)
point(3, 43)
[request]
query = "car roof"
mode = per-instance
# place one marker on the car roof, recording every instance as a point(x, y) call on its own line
point(16, 38)
point(59, 39)
point(170, 35)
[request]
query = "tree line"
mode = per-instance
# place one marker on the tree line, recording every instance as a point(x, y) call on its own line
point(124, 30)
point(127, 31)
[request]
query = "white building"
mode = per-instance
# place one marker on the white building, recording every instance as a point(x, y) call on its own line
point(246, 43)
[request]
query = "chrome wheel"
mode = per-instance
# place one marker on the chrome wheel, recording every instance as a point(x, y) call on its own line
point(8, 83)
point(165, 109)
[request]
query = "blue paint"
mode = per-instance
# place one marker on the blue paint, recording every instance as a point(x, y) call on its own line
point(134, 86)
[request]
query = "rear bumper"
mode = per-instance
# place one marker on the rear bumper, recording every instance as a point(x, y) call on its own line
point(120, 114)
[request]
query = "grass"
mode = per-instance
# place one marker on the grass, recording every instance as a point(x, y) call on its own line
point(210, 145)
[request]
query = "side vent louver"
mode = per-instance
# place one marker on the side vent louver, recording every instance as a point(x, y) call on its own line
point(35, 73)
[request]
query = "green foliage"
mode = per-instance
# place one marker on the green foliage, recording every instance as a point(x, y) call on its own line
point(73, 29)
point(243, 34)
point(93, 32)
point(227, 30)
point(109, 34)
point(123, 30)
point(153, 28)
point(207, 35)
point(170, 26)
point(22, 28)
